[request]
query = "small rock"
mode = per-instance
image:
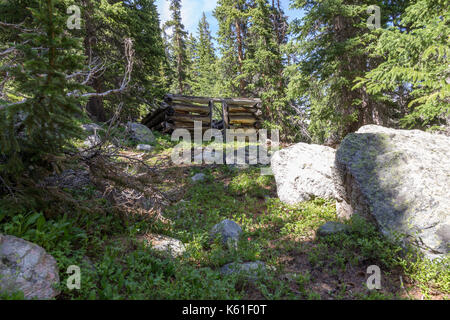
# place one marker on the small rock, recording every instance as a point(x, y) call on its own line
point(89, 264)
point(69, 179)
point(228, 229)
point(165, 244)
point(27, 267)
point(144, 147)
point(140, 133)
point(198, 177)
point(91, 128)
point(332, 227)
point(248, 269)
point(92, 141)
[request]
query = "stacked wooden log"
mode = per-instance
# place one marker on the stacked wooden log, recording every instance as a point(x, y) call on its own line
point(242, 113)
point(189, 109)
point(180, 112)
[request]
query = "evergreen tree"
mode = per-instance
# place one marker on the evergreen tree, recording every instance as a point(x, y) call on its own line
point(416, 62)
point(40, 125)
point(178, 46)
point(204, 77)
point(263, 64)
point(192, 74)
point(332, 39)
point(232, 16)
point(105, 26)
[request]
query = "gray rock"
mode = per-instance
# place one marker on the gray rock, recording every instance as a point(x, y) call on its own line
point(250, 270)
point(144, 147)
point(229, 230)
point(164, 244)
point(198, 177)
point(92, 141)
point(303, 172)
point(332, 227)
point(140, 133)
point(91, 128)
point(69, 179)
point(400, 178)
point(26, 267)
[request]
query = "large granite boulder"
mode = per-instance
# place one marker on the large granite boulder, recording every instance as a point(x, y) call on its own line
point(26, 267)
point(305, 171)
point(401, 178)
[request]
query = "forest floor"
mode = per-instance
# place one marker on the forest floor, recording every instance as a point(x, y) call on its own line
point(301, 265)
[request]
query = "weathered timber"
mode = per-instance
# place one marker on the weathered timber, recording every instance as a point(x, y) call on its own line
point(225, 114)
point(210, 106)
point(179, 111)
point(153, 114)
point(242, 119)
point(178, 107)
point(189, 99)
point(190, 118)
point(244, 101)
point(156, 120)
point(244, 114)
point(235, 108)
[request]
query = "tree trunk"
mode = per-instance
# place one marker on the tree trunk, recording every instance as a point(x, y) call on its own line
point(95, 105)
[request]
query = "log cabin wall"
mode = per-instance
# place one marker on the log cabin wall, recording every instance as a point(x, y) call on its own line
point(180, 112)
point(242, 113)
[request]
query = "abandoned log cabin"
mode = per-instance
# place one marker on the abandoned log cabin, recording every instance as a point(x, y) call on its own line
point(180, 112)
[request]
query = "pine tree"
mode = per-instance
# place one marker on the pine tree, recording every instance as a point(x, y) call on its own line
point(415, 56)
point(332, 39)
point(192, 72)
point(263, 64)
point(178, 46)
point(105, 26)
point(143, 27)
point(42, 123)
point(232, 16)
point(204, 77)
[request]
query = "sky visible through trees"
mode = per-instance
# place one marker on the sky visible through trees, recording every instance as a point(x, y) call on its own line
point(191, 13)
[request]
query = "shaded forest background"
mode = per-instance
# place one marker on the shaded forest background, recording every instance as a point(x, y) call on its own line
point(332, 76)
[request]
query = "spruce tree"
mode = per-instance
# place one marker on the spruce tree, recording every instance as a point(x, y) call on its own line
point(41, 124)
point(415, 53)
point(105, 26)
point(263, 64)
point(232, 16)
point(332, 39)
point(204, 77)
point(178, 46)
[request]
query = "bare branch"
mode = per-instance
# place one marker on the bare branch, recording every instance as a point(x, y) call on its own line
point(17, 26)
point(129, 54)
